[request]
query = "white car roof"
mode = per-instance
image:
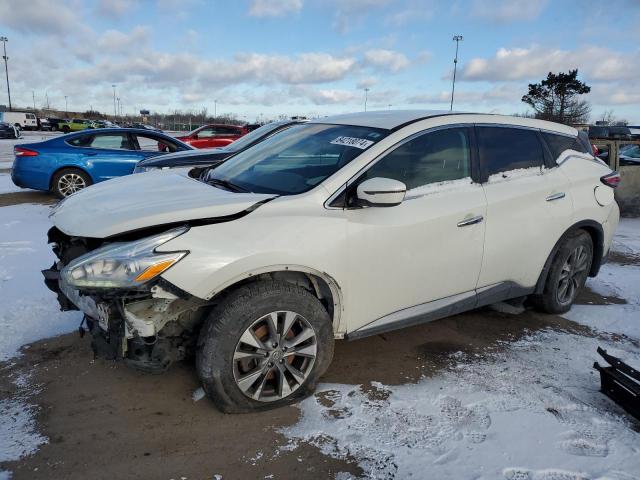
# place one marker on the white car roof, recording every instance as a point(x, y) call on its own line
point(393, 119)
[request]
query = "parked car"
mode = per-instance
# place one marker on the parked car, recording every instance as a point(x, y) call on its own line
point(69, 163)
point(54, 123)
point(22, 120)
point(75, 125)
point(342, 227)
point(209, 136)
point(8, 131)
point(146, 126)
point(104, 124)
point(630, 155)
point(211, 157)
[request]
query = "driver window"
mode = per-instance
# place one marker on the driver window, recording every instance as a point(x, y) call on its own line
point(434, 157)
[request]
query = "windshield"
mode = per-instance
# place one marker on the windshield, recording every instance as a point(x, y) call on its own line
point(297, 159)
point(252, 136)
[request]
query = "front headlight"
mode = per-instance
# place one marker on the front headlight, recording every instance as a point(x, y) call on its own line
point(142, 169)
point(123, 265)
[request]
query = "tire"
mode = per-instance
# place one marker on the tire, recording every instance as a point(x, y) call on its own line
point(567, 275)
point(241, 377)
point(54, 128)
point(65, 129)
point(69, 181)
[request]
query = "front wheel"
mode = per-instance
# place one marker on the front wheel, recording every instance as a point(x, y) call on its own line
point(69, 181)
point(264, 346)
point(66, 129)
point(568, 274)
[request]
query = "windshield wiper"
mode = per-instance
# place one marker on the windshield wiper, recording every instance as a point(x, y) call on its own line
point(226, 184)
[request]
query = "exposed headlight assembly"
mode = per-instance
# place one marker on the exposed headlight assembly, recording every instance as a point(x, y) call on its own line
point(143, 168)
point(123, 265)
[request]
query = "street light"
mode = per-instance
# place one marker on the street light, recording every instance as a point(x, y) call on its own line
point(457, 39)
point(4, 41)
point(66, 106)
point(366, 91)
point(114, 101)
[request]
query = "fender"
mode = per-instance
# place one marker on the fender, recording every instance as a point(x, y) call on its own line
point(595, 229)
point(336, 291)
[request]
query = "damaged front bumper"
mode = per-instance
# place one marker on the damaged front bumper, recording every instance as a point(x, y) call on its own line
point(148, 328)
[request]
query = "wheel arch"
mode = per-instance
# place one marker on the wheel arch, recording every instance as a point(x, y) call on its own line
point(321, 284)
point(69, 167)
point(595, 231)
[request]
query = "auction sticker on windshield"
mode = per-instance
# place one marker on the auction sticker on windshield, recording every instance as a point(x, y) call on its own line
point(360, 143)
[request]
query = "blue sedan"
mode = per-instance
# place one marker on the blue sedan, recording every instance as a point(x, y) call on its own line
point(66, 164)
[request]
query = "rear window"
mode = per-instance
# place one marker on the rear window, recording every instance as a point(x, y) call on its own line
point(559, 143)
point(503, 149)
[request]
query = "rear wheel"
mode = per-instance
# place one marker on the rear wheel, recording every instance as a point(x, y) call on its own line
point(568, 274)
point(263, 347)
point(69, 181)
point(65, 129)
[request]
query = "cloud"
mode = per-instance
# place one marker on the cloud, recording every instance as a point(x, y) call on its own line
point(114, 41)
point(39, 17)
point(274, 8)
point(413, 11)
point(351, 12)
point(366, 83)
point(508, 11)
point(595, 63)
point(386, 60)
point(327, 96)
point(505, 93)
point(116, 9)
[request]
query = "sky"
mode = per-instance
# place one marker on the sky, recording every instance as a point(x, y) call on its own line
point(259, 59)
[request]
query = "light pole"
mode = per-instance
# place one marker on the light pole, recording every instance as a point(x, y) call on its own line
point(457, 39)
point(366, 92)
point(118, 110)
point(114, 101)
point(46, 94)
point(4, 41)
point(215, 108)
point(33, 95)
point(66, 106)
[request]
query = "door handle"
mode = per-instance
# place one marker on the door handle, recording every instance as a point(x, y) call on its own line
point(555, 196)
point(471, 221)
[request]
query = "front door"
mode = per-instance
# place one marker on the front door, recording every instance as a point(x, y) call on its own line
point(424, 254)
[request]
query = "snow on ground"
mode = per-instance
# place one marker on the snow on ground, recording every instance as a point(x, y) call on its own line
point(29, 310)
point(529, 410)
point(7, 185)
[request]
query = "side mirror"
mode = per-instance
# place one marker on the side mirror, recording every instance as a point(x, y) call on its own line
point(381, 192)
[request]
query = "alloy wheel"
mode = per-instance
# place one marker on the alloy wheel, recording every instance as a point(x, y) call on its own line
point(70, 183)
point(572, 275)
point(274, 356)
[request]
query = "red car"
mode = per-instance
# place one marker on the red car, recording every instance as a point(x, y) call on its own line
point(209, 136)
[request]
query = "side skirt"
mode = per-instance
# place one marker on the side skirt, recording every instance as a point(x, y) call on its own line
point(444, 307)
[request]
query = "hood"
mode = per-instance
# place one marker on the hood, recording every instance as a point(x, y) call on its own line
point(186, 158)
point(141, 201)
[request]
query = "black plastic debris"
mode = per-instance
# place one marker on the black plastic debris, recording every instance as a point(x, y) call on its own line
point(620, 382)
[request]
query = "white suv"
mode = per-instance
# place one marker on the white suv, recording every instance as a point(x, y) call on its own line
point(342, 227)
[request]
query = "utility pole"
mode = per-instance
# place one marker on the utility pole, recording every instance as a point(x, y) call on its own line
point(366, 92)
point(4, 41)
point(118, 110)
point(46, 94)
point(33, 95)
point(215, 108)
point(66, 106)
point(114, 101)
point(457, 39)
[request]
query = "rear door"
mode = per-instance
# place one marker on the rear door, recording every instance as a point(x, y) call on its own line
point(528, 205)
point(424, 254)
point(108, 155)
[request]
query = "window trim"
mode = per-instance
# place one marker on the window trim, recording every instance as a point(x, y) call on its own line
point(353, 181)
point(101, 134)
point(546, 156)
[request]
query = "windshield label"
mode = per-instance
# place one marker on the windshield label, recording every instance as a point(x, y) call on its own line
point(361, 143)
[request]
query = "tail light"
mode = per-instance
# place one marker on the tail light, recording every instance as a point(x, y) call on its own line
point(596, 150)
point(611, 180)
point(24, 152)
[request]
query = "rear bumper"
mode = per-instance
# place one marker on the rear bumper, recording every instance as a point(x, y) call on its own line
point(26, 177)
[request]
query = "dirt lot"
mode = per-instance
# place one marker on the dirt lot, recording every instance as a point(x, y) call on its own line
point(105, 420)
